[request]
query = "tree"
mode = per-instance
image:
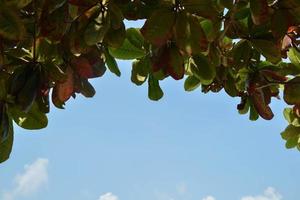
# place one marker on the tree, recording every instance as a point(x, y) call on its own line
point(54, 47)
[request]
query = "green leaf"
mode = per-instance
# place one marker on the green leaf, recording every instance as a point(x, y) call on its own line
point(259, 11)
point(6, 145)
point(155, 93)
point(294, 57)
point(291, 117)
point(96, 30)
point(140, 71)
point(290, 132)
point(291, 93)
point(135, 37)
point(191, 83)
point(253, 113)
point(268, 49)
point(116, 16)
point(112, 64)
point(292, 142)
point(242, 53)
point(226, 3)
point(279, 23)
point(203, 69)
point(27, 95)
point(204, 8)
point(158, 28)
point(32, 120)
point(11, 26)
point(86, 89)
point(189, 34)
point(127, 51)
point(115, 37)
point(19, 3)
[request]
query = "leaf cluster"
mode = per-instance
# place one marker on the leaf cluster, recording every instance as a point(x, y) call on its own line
point(49, 51)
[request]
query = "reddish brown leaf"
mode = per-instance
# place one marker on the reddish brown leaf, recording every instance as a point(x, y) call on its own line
point(273, 75)
point(89, 65)
point(261, 106)
point(63, 91)
point(161, 60)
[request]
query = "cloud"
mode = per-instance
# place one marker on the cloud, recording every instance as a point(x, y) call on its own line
point(269, 194)
point(108, 196)
point(35, 175)
point(209, 198)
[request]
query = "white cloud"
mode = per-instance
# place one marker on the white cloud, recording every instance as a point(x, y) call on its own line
point(108, 196)
point(30, 181)
point(209, 198)
point(269, 194)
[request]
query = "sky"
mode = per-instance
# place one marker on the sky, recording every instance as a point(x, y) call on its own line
point(121, 146)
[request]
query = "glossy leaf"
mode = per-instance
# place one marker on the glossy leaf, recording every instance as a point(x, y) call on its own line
point(33, 119)
point(158, 28)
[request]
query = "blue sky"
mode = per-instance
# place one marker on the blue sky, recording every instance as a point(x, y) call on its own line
point(122, 146)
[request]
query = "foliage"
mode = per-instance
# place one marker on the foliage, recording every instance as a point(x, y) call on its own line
point(249, 48)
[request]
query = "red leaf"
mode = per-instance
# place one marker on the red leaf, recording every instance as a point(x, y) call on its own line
point(89, 65)
point(63, 91)
point(161, 60)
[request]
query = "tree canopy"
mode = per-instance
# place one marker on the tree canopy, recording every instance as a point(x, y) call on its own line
point(49, 49)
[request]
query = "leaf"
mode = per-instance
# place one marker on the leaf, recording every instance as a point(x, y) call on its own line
point(115, 37)
point(259, 101)
point(175, 65)
point(294, 57)
point(155, 93)
point(11, 26)
point(191, 83)
point(259, 11)
point(268, 49)
point(54, 71)
point(96, 29)
point(135, 37)
point(242, 53)
point(127, 51)
point(83, 3)
point(140, 71)
point(253, 113)
point(6, 146)
point(116, 16)
point(89, 65)
point(158, 31)
point(279, 23)
point(52, 21)
point(291, 93)
point(27, 95)
point(203, 69)
point(86, 88)
point(203, 8)
point(19, 3)
point(112, 64)
point(63, 91)
point(189, 34)
point(290, 132)
point(34, 119)
point(290, 116)
point(227, 3)
point(291, 135)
